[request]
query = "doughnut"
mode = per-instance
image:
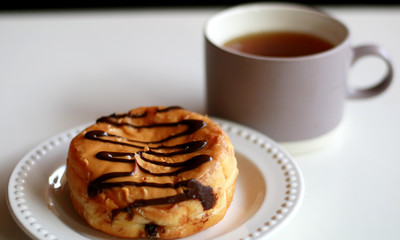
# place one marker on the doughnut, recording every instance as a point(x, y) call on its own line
point(152, 173)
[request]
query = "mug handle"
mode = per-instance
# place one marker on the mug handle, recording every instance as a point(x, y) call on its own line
point(371, 50)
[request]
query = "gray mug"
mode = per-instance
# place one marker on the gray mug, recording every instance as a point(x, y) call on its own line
point(290, 99)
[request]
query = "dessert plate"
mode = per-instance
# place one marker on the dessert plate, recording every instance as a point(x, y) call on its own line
point(269, 190)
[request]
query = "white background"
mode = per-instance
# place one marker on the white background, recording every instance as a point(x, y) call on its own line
point(59, 70)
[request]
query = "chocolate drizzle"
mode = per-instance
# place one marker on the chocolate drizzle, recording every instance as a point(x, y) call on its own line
point(191, 188)
point(152, 229)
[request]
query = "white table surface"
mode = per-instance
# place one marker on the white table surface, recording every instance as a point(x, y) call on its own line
point(61, 69)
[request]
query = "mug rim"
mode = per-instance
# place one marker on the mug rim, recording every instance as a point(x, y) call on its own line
point(274, 5)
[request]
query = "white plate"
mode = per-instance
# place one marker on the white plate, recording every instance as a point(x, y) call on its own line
point(269, 190)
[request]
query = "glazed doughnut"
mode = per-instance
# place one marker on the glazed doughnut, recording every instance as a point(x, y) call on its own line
point(154, 172)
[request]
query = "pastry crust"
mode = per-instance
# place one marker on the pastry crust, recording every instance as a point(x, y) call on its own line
point(154, 172)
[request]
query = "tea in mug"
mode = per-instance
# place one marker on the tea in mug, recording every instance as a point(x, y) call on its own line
point(279, 44)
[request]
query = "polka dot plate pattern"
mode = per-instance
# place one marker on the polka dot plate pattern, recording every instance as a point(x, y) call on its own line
point(269, 190)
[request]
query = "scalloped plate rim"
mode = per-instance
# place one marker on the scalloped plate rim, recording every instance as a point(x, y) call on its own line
point(291, 204)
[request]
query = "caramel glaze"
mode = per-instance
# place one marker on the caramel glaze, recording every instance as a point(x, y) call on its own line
point(192, 189)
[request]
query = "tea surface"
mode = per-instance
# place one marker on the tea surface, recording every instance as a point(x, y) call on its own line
point(279, 44)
